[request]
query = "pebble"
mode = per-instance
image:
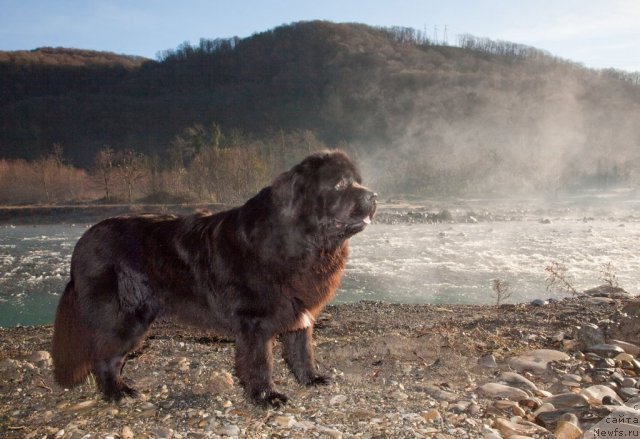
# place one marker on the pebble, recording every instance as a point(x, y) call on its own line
point(624, 357)
point(228, 430)
point(517, 380)
point(518, 426)
point(567, 430)
point(162, 432)
point(629, 348)
point(126, 433)
point(432, 415)
point(605, 350)
point(595, 394)
point(590, 334)
point(286, 421)
point(337, 400)
point(41, 358)
point(497, 390)
point(567, 400)
point(487, 361)
point(220, 382)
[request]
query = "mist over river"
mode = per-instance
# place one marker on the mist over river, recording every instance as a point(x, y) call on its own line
point(406, 263)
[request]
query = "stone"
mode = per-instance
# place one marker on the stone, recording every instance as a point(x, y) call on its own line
point(432, 415)
point(537, 361)
point(490, 433)
point(488, 361)
point(220, 382)
point(632, 309)
point(516, 426)
point(496, 390)
point(41, 358)
point(605, 350)
point(607, 291)
point(337, 400)
point(590, 334)
point(624, 357)
point(126, 433)
point(629, 348)
point(228, 430)
point(595, 394)
point(539, 302)
point(162, 432)
point(567, 430)
point(628, 392)
point(633, 402)
point(567, 400)
point(285, 421)
point(516, 380)
point(629, 382)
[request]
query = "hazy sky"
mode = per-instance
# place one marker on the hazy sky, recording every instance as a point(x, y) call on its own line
point(597, 33)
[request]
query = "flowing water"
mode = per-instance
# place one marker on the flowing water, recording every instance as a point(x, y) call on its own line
point(422, 263)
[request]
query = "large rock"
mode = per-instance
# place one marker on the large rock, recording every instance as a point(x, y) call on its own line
point(517, 380)
point(537, 361)
point(595, 394)
point(567, 400)
point(629, 348)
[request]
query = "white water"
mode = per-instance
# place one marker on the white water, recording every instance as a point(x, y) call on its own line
point(425, 263)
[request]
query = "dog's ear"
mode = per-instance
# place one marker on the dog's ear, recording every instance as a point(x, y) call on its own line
point(287, 192)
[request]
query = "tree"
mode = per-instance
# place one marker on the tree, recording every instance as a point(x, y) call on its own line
point(132, 166)
point(105, 167)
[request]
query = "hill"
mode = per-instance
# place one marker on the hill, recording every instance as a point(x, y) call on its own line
point(420, 116)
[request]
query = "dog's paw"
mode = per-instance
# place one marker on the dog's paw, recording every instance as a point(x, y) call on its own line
point(270, 398)
point(319, 380)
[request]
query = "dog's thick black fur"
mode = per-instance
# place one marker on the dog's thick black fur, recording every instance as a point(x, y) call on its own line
point(255, 272)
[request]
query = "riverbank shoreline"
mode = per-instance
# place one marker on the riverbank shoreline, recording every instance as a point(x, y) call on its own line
point(396, 371)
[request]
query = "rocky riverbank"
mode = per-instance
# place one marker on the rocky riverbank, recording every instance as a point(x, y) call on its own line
point(449, 371)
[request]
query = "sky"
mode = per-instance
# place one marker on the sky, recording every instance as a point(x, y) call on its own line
point(595, 33)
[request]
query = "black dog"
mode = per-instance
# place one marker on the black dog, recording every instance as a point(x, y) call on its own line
point(257, 271)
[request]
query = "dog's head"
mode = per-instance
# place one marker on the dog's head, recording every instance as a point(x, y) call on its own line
point(324, 193)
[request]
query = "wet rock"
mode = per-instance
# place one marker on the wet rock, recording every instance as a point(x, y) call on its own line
point(537, 361)
point(496, 390)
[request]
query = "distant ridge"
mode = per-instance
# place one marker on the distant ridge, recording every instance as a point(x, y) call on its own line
point(486, 107)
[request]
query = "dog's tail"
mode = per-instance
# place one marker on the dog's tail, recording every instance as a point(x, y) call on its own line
point(71, 341)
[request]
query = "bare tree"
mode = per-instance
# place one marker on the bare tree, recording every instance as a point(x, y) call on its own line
point(105, 167)
point(500, 290)
point(132, 166)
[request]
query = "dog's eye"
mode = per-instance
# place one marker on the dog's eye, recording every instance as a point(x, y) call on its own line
point(341, 185)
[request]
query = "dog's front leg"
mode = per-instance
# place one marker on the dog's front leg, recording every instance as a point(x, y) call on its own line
point(297, 351)
point(254, 366)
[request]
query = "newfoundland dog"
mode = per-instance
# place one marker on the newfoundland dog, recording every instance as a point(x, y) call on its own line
point(254, 272)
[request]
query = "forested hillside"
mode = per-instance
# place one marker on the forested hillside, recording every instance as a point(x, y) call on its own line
point(482, 117)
